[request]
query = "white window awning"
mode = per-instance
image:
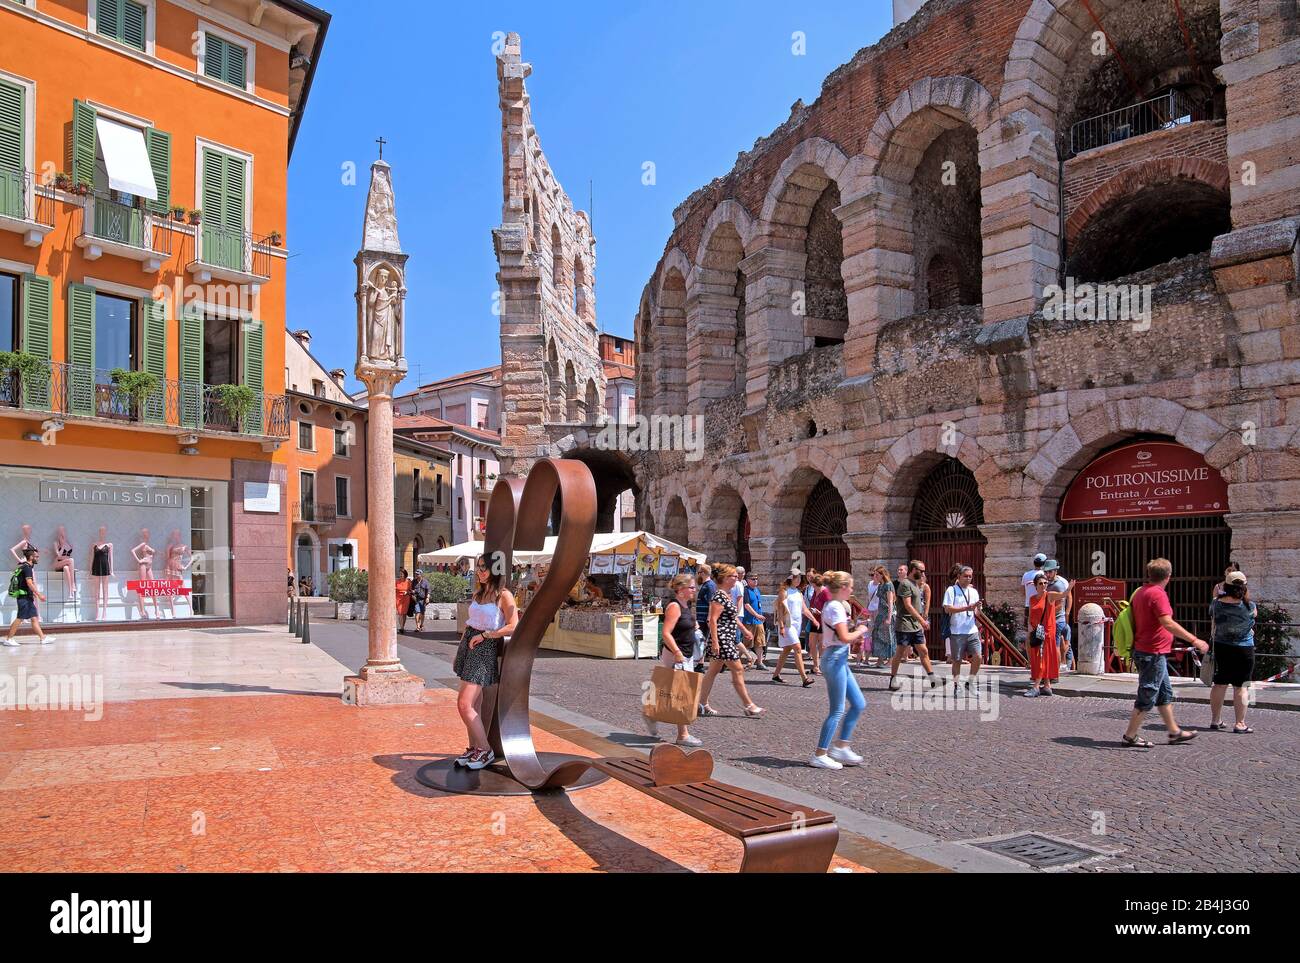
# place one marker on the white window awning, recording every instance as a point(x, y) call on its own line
point(126, 161)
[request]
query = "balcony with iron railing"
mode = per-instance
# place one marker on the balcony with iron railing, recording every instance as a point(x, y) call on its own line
point(228, 254)
point(1174, 108)
point(422, 506)
point(77, 391)
point(25, 208)
point(314, 513)
point(106, 224)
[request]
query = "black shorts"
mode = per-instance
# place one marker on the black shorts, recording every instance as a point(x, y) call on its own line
point(27, 607)
point(1233, 664)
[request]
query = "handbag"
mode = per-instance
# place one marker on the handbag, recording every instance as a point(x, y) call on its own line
point(676, 696)
point(1207, 667)
point(1038, 636)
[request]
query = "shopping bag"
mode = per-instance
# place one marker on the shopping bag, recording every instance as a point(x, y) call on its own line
point(676, 696)
point(1207, 667)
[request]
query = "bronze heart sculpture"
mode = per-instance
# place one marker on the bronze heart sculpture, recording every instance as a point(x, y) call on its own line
point(518, 512)
point(671, 765)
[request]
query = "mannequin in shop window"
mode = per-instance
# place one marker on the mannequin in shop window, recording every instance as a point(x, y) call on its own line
point(176, 559)
point(143, 555)
point(24, 543)
point(101, 570)
point(63, 562)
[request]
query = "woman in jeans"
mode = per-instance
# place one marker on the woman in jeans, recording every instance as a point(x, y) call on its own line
point(1233, 615)
point(833, 750)
point(679, 641)
point(723, 644)
point(493, 615)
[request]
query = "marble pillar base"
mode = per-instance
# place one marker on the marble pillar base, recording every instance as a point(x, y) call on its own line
point(399, 688)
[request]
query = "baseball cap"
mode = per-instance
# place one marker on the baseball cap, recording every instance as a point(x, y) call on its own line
point(1235, 578)
point(1040, 558)
point(1051, 565)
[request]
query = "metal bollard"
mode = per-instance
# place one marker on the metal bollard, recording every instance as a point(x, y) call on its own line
point(293, 615)
point(298, 610)
point(306, 627)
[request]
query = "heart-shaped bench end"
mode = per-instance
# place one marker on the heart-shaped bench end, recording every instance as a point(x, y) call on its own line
point(672, 766)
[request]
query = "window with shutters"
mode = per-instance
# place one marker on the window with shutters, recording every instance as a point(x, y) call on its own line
point(220, 345)
point(126, 21)
point(8, 316)
point(224, 58)
point(13, 147)
point(116, 334)
point(224, 200)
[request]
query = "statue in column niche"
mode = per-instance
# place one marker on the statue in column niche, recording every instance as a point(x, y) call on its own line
point(384, 333)
point(101, 570)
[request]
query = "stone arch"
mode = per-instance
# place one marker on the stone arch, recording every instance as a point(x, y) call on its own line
point(917, 116)
point(906, 464)
point(581, 288)
point(720, 516)
point(591, 402)
point(1075, 444)
point(570, 393)
point(676, 523)
point(555, 399)
point(799, 181)
point(1152, 212)
point(646, 355)
point(669, 321)
point(715, 320)
point(730, 212)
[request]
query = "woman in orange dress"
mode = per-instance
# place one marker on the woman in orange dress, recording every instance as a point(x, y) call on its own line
point(403, 599)
point(1044, 662)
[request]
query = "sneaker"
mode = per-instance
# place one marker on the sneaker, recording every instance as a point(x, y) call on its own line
point(824, 762)
point(47, 639)
point(465, 756)
point(481, 759)
point(12, 644)
point(690, 741)
point(934, 680)
point(845, 756)
point(895, 685)
point(1032, 693)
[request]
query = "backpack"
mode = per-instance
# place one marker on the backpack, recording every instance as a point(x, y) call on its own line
point(1122, 632)
point(16, 588)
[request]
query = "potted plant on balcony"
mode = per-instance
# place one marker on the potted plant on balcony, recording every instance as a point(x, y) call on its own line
point(194, 215)
point(274, 239)
point(21, 368)
point(236, 400)
point(63, 180)
point(81, 187)
point(178, 212)
point(139, 386)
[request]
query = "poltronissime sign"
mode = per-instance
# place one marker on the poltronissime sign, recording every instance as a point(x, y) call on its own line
point(1145, 480)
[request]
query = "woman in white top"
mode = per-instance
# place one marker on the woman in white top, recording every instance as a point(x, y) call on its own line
point(493, 615)
point(833, 750)
point(791, 611)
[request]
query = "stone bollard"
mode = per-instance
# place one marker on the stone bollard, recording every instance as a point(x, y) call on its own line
point(1092, 638)
point(306, 627)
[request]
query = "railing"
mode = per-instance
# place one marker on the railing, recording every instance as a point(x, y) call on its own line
point(19, 199)
point(78, 391)
point(104, 218)
point(423, 505)
point(1170, 109)
point(314, 513)
point(995, 641)
point(214, 245)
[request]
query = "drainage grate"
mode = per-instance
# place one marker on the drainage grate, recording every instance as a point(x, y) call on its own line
point(233, 631)
point(1038, 851)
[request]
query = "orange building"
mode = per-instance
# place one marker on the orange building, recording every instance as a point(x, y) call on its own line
point(143, 181)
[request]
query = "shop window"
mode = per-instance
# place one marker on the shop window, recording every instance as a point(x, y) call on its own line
point(342, 495)
point(306, 441)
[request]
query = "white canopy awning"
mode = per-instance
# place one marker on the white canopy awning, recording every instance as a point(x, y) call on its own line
point(603, 543)
point(126, 161)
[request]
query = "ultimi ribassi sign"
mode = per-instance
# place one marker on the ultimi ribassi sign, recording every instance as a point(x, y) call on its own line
point(1149, 479)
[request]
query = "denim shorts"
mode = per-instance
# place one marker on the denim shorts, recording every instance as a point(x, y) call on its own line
point(1154, 688)
point(910, 638)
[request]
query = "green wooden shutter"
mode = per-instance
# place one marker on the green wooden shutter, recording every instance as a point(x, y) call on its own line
point(155, 358)
point(233, 214)
point(133, 23)
point(215, 244)
point(158, 144)
point(81, 350)
point(236, 66)
point(225, 61)
point(253, 376)
point(83, 142)
point(191, 368)
point(108, 18)
point(13, 100)
point(37, 321)
point(213, 56)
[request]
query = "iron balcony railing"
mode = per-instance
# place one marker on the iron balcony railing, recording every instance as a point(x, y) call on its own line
point(423, 505)
point(20, 199)
point(216, 246)
point(78, 391)
point(1170, 109)
point(107, 218)
point(314, 513)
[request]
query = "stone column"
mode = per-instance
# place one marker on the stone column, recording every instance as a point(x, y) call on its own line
point(878, 268)
point(710, 339)
point(1009, 554)
point(1266, 545)
point(383, 680)
point(773, 331)
point(771, 557)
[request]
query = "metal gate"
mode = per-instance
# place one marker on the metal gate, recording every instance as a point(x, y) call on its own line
point(946, 516)
point(821, 530)
point(743, 559)
point(1199, 546)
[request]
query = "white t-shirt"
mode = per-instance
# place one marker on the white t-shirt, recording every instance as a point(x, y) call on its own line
point(737, 599)
point(1027, 580)
point(961, 623)
point(833, 613)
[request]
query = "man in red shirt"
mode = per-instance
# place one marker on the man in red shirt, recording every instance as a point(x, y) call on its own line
point(1154, 630)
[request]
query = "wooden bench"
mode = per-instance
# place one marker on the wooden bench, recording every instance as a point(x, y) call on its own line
point(778, 837)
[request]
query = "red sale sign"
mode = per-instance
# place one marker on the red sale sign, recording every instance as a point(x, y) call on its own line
point(1145, 480)
point(152, 588)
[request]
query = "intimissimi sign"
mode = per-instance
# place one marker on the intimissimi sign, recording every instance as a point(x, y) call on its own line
point(101, 493)
point(1146, 480)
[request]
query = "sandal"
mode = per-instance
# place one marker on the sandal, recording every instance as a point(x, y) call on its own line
point(1137, 742)
point(808, 681)
point(1218, 726)
point(1242, 730)
point(708, 711)
point(1183, 735)
point(778, 680)
point(754, 711)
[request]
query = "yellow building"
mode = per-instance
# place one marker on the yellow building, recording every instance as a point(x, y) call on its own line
point(421, 499)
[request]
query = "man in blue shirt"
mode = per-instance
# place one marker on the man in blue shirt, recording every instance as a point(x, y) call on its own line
point(753, 617)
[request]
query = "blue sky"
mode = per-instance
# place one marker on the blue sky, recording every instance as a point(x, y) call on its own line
point(685, 85)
